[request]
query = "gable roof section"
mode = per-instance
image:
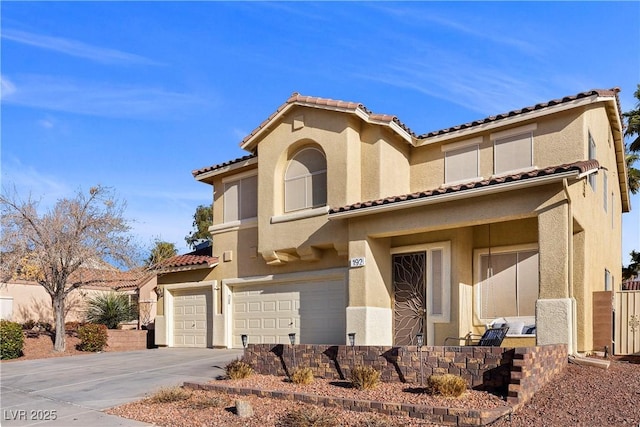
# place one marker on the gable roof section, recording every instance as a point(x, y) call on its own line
point(201, 258)
point(488, 186)
point(250, 141)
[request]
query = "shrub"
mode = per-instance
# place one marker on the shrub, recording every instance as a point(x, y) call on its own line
point(29, 324)
point(111, 309)
point(44, 326)
point(302, 376)
point(238, 369)
point(365, 377)
point(304, 417)
point(170, 394)
point(447, 385)
point(93, 337)
point(72, 327)
point(11, 340)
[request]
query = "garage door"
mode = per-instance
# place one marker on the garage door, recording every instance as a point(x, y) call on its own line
point(315, 311)
point(191, 318)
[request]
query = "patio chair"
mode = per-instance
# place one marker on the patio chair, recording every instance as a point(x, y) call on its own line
point(492, 337)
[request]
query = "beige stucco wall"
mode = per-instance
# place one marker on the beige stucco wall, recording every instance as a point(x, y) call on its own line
point(32, 302)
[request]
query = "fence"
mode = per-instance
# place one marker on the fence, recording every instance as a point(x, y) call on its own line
point(627, 323)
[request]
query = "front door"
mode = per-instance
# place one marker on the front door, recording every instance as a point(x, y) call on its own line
point(409, 289)
point(421, 291)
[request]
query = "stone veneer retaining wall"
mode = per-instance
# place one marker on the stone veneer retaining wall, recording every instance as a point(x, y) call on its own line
point(515, 372)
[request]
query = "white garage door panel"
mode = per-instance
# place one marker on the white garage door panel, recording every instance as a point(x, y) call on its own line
point(315, 311)
point(191, 318)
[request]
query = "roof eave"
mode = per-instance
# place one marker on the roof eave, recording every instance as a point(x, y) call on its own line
point(458, 195)
point(207, 177)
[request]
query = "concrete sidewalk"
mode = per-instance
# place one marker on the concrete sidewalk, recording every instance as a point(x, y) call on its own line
point(67, 391)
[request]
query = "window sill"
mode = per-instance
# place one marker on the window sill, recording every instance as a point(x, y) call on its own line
point(233, 225)
point(294, 216)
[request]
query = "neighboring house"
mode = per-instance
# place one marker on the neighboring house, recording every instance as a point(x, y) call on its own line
point(342, 220)
point(631, 284)
point(24, 300)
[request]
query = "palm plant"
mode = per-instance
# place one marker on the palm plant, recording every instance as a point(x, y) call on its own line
point(111, 309)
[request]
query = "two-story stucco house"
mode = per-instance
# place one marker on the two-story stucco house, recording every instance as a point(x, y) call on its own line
point(342, 220)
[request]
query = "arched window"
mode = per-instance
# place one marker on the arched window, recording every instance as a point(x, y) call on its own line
point(305, 181)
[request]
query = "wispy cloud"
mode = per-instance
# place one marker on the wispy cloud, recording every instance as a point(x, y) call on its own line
point(96, 99)
point(27, 181)
point(75, 48)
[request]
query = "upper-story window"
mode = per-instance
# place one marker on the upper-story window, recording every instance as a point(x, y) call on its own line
point(461, 161)
point(592, 156)
point(241, 198)
point(513, 149)
point(305, 181)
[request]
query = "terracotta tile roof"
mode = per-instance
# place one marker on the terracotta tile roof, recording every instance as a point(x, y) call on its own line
point(632, 284)
point(312, 101)
point(200, 257)
point(581, 166)
point(197, 172)
point(594, 92)
point(110, 278)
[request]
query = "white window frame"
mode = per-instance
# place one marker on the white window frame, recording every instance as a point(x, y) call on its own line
point(592, 150)
point(477, 274)
point(450, 150)
point(496, 137)
point(308, 203)
point(232, 180)
point(428, 248)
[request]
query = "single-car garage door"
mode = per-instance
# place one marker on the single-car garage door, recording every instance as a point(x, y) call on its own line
point(192, 318)
point(315, 311)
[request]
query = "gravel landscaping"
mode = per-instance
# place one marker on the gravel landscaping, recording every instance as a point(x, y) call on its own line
point(580, 396)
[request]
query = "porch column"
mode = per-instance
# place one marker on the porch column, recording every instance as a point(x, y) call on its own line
point(556, 307)
point(369, 313)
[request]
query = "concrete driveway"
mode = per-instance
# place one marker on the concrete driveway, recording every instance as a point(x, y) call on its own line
point(71, 391)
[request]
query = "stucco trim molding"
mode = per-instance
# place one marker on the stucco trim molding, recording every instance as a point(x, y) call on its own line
point(233, 226)
point(294, 216)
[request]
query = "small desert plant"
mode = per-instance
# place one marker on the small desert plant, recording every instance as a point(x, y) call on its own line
point(447, 385)
point(11, 340)
point(238, 369)
point(170, 394)
point(93, 337)
point(302, 376)
point(111, 309)
point(365, 377)
point(304, 417)
point(29, 324)
point(205, 401)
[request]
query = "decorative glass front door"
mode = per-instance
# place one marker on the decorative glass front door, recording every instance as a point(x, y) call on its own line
point(409, 289)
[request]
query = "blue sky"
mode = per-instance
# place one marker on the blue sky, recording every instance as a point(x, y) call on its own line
point(136, 95)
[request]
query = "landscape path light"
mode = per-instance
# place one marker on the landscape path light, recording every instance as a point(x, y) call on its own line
point(292, 340)
point(352, 343)
point(420, 340)
point(244, 339)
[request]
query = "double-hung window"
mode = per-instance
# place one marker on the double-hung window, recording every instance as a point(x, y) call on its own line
point(513, 149)
point(241, 199)
point(461, 161)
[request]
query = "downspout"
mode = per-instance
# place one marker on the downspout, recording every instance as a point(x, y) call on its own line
point(570, 289)
point(565, 187)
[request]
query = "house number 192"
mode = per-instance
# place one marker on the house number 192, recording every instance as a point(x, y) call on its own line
point(357, 262)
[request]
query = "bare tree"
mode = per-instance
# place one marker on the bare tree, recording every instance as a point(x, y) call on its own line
point(74, 244)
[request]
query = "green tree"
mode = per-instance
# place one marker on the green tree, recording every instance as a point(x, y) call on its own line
point(633, 123)
point(634, 173)
point(59, 248)
point(633, 269)
point(162, 250)
point(202, 220)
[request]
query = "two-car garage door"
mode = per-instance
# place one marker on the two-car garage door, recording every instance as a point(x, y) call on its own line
point(267, 313)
